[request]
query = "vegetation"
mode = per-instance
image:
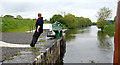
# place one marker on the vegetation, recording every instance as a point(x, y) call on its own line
point(0, 24)
point(8, 16)
point(33, 49)
point(19, 17)
point(109, 30)
point(16, 25)
point(56, 18)
point(103, 14)
point(9, 58)
point(102, 24)
point(18, 53)
point(42, 40)
point(94, 23)
point(115, 18)
point(106, 27)
point(71, 21)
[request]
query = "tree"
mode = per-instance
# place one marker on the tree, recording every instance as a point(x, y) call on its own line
point(70, 21)
point(8, 16)
point(102, 15)
point(46, 20)
point(115, 18)
point(19, 17)
point(83, 22)
point(94, 23)
point(56, 17)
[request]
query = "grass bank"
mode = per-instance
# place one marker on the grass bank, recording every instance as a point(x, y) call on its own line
point(0, 24)
point(16, 25)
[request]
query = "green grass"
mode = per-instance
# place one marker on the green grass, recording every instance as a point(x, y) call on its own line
point(0, 24)
point(33, 48)
point(18, 53)
point(16, 25)
point(47, 23)
point(42, 40)
point(22, 29)
point(9, 58)
point(92, 61)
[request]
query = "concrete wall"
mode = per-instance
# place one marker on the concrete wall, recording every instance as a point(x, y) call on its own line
point(52, 54)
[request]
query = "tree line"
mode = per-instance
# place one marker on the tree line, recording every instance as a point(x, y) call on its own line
point(71, 21)
point(10, 16)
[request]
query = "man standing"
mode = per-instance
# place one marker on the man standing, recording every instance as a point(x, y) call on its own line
point(39, 29)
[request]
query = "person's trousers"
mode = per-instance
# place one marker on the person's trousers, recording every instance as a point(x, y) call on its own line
point(35, 38)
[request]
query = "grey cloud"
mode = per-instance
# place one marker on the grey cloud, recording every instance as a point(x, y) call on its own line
point(15, 7)
point(54, 6)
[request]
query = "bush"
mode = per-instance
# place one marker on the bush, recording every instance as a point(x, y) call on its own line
point(110, 29)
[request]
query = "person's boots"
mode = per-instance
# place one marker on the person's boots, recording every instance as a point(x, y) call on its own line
point(32, 44)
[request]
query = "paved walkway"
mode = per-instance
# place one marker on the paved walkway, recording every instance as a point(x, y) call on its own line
point(15, 42)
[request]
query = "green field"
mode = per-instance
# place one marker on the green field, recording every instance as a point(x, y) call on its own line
point(0, 24)
point(16, 25)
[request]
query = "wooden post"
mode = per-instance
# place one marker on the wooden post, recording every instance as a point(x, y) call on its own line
point(117, 37)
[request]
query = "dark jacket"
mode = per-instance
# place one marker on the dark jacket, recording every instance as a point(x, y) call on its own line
point(40, 22)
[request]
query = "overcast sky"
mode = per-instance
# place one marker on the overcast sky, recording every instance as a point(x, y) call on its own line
point(30, 8)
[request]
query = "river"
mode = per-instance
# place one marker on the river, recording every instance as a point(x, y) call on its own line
point(88, 45)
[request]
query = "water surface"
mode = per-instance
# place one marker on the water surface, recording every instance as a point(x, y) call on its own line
point(88, 45)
